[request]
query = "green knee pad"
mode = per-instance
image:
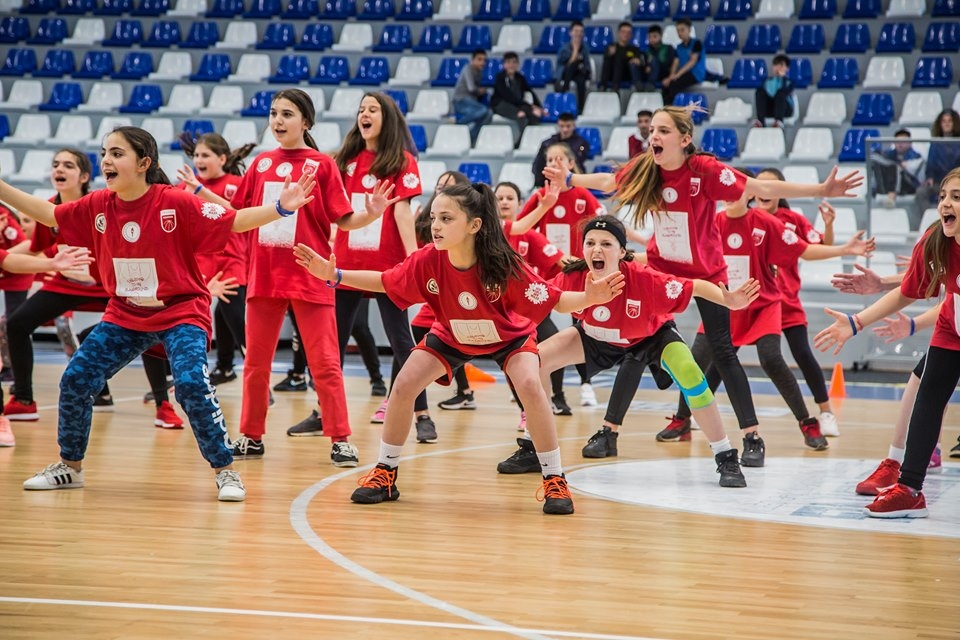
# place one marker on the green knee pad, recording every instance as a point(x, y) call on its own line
point(677, 360)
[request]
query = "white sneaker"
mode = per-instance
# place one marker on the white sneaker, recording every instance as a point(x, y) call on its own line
point(230, 486)
point(6, 433)
point(828, 425)
point(587, 397)
point(55, 476)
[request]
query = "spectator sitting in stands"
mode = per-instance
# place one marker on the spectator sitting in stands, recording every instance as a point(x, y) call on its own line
point(468, 96)
point(942, 157)
point(640, 140)
point(775, 99)
point(690, 65)
point(573, 65)
point(660, 56)
point(624, 62)
point(510, 89)
point(898, 169)
point(567, 134)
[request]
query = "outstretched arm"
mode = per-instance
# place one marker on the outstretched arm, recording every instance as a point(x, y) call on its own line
point(594, 292)
point(189, 178)
point(903, 326)
point(866, 282)
point(545, 203)
point(66, 259)
point(292, 197)
point(846, 326)
point(739, 298)
point(605, 182)
point(327, 270)
point(37, 208)
point(855, 246)
point(832, 187)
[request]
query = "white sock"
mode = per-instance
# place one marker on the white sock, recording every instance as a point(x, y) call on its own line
point(550, 463)
point(390, 454)
point(720, 446)
point(896, 454)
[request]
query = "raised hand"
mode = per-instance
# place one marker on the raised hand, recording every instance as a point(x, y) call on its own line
point(70, 258)
point(556, 175)
point(315, 263)
point(865, 283)
point(550, 194)
point(844, 186)
point(742, 296)
point(221, 287)
point(188, 177)
point(296, 194)
point(836, 335)
point(856, 245)
point(379, 199)
point(827, 212)
point(604, 289)
point(895, 328)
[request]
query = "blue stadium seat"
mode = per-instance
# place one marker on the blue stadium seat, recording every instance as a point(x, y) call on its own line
point(556, 103)
point(651, 11)
point(853, 148)
point(476, 172)
point(339, 9)
point(473, 36)
point(552, 39)
point(861, 9)
point(942, 36)
point(933, 71)
point(817, 9)
point(225, 9)
point(448, 72)
point(683, 99)
point(316, 37)
point(126, 33)
point(331, 70)
point(801, 72)
point(734, 10)
point(291, 69)
point(400, 97)
point(151, 8)
point(144, 98)
point(762, 38)
point(640, 37)
point(722, 143)
point(114, 8)
point(598, 38)
point(213, 67)
point(50, 31)
point(394, 37)
point(806, 38)
point(851, 38)
point(748, 73)
point(95, 64)
point(873, 108)
point(263, 9)
point(259, 104)
point(64, 96)
point(434, 38)
point(594, 141)
point(538, 71)
point(13, 30)
point(134, 66)
point(4, 126)
point(415, 10)
point(493, 10)
point(490, 71)
point(839, 73)
point(19, 62)
point(721, 38)
point(946, 8)
point(197, 128)
point(568, 10)
point(419, 134)
point(277, 36)
point(300, 10)
point(40, 7)
point(56, 64)
point(163, 34)
point(202, 34)
point(371, 71)
point(532, 11)
point(78, 7)
point(896, 37)
point(376, 10)
point(692, 9)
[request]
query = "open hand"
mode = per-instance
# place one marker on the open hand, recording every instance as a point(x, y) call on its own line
point(188, 177)
point(857, 246)
point(551, 192)
point(895, 328)
point(296, 194)
point(836, 335)
point(70, 258)
point(742, 296)
point(377, 201)
point(556, 175)
point(864, 283)
point(315, 263)
point(220, 287)
point(604, 289)
point(844, 186)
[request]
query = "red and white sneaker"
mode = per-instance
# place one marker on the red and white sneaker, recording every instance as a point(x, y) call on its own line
point(899, 501)
point(677, 431)
point(167, 417)
point(20, 412)
point(885, 475)
point(6, 433)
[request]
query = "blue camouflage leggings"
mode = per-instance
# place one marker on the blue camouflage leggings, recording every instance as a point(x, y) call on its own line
point(109, 348)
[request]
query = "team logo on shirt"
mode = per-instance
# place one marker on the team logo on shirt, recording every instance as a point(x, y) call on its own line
point(229, 191)
point(694, 187)
point(131, 232)
point(790, 236)
point(669, 195)
point(549, 250)
point(813, 236)
point(601, 314)
point(467, 301)
point(674, 289)
point(633, 308)
point(734, 241)
point(580, 205)
point(168, 220)
point(411, 180)
point(212, 211)
point(727, 178)
point(100, 223)
point(523, 247)
point(433, 287)
point(351, 168)
point(310, 167)
point(284, 169)
point(264, 164)
point(10, 233)
point(369, 181)
point(758, 236)
point(559, 211)
point(537, 293)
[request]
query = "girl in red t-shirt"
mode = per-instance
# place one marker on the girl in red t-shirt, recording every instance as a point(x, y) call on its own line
point(487, 302)
point(15, 286)
point(145, 235)
point(934, 266)
point(680, 188)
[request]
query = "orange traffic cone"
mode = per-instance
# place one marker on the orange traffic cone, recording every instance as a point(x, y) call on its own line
point(475, 374)
point(838, 388)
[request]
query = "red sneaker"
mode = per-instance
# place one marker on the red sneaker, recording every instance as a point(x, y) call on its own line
point(6, 434)
point(899, 501)
point(167, 418)
point(18, 411)
point(678, 430)
point(810, 428)
point(886, 475)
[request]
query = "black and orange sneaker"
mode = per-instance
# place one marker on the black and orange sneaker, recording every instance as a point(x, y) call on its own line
point(677, 431)
point(555, 495)
point(380, 485)
point(812, 437)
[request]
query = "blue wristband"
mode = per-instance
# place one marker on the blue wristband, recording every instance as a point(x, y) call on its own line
point(569, 177)
point(334, 285)
point(283, 212)
point(198, 189)
point(853, 325)
point(913, 327)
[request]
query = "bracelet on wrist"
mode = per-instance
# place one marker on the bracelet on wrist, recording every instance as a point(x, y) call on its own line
point(198, 189)
point(858, 321)
point(913, 326)
point(569, 178)
point(283, 212)
point(334, 285)
point(853, 325)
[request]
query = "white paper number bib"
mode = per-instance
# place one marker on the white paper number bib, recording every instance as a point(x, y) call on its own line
point(672, 229)
point(475, 332)
point(137, 281)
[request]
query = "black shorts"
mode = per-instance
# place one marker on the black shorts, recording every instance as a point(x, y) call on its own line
point(454, 358)
point(600, 356)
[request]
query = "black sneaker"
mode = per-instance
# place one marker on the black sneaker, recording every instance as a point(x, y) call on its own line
point(293, 382)
point(560, 406)
point(426, 430)
point(754, 451)
point(312, 425)
point(812, 436)
point(377, 388)
point(380, 485)
point(602, 444)
point(103, 404)
point(556, 496)
point(729, 469)
point(955, 452)
point(245, 448)
point(219, 376)
point(458, 402)
point(344, 454)
point(148, 397)
point(523, 460)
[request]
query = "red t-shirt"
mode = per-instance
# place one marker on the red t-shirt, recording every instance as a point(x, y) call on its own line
point(146, 250)
point(792, 308)
point(378, 245)
point(649, 299)
point(686, 241)
point(563, 224)
point(751, 244)
point(273, 272)
point(467, 318)
point(232, 261)
point(536, 250)
point(946, 333)
point(10, 237)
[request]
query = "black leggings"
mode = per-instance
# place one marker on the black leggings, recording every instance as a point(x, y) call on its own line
point(798, 340)
point(229, 319)
point(937, 384)
point(362, 335)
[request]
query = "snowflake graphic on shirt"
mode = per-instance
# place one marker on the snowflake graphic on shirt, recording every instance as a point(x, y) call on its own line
point(411, 181)
point(212, 211)
point(674, 289)
point(789, 236)
point(727, 178)
point(537, 293)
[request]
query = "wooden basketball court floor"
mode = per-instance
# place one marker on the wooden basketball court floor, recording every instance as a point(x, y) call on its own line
point(146, 551)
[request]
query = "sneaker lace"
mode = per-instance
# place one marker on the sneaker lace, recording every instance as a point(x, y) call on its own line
point(379, 478)
point(343, 449)
point(728, 466)
point(554, 487)
point(229, 478)
point(243, 443)
point(599, 435)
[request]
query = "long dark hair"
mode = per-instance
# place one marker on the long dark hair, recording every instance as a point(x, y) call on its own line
point(497, 262)
point(937, 131)
point(145, 146)
point(307, 110)
point(422, 222)
point(394, 139)
point(580, 264)
point(85, 166)
point(936, 247)
point(218, 144)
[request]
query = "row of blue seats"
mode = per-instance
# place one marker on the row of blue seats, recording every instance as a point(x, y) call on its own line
point(895, 37)
point(723, 143)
